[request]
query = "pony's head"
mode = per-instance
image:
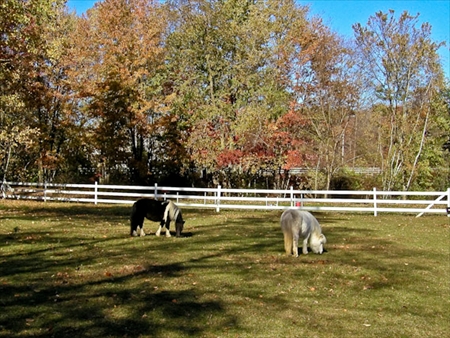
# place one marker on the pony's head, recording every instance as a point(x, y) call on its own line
point(175, 215)
point(317, 242)
point(179, 224)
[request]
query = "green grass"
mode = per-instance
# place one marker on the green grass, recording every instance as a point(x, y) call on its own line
point(71, 270)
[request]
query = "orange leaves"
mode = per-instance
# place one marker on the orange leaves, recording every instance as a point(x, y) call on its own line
point(294, 158)
point(114, 67)
point(229, 157)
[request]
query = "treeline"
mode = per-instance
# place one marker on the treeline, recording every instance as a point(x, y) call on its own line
point(241, 93)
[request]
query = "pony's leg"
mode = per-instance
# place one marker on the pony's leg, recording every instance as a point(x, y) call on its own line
point(142, 234)
point(295, 245)
point(161, 225)
point(135, 232)
point(305, 245)
point(133, 228)
point(158, 233)
point(287, 243)
point(167, 226)
point(137, 222)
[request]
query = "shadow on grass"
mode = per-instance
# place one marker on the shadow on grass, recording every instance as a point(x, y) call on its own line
point(45, 289)
point(83, 277)
point(51, 306)
point(47, 292)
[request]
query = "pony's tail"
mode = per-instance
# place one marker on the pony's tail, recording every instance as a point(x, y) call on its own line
point(133, 219)
point(288, 242)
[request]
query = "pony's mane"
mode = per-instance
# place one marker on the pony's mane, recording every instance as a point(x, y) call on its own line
point(172, 212)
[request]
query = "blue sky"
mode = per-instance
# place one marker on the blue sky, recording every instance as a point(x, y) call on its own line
point(340, 15)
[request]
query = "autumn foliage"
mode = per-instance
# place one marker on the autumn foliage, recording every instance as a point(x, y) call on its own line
point(235, 92)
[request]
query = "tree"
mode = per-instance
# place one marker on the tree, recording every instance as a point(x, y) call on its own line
point(223, 56)
point(403, 73)
point(446, 117)
point(31, 44)
point(325, 96)
point(15, 142)
point(115, 72)
point(433, 172)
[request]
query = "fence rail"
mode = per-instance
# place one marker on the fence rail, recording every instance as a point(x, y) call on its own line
point(372, 201)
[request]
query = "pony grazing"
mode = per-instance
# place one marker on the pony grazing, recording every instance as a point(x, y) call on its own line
point(296, 223)
point(157, 211)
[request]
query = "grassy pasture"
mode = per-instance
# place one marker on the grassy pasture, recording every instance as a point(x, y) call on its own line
point(71, 270)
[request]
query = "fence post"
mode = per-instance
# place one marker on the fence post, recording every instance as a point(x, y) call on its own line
point(448, 202)
point(156, 191)
point(375, 202)
point(95, 192)
point(45, 191)
point(218, 199)
point(292, 196)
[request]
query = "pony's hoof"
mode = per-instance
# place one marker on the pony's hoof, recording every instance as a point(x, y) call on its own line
point(168, 234)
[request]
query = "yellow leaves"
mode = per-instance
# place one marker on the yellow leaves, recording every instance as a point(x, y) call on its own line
point(15, 137)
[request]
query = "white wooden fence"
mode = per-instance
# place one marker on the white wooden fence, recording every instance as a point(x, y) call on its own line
point(373, 201)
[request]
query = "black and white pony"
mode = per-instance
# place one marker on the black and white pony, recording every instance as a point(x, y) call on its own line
point(297, 224)
point(157, 211)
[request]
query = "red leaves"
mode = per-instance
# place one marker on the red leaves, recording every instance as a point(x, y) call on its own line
point(229, 157)
point(294, 159)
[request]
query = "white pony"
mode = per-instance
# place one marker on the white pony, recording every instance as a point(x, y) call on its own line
point(296, 223)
